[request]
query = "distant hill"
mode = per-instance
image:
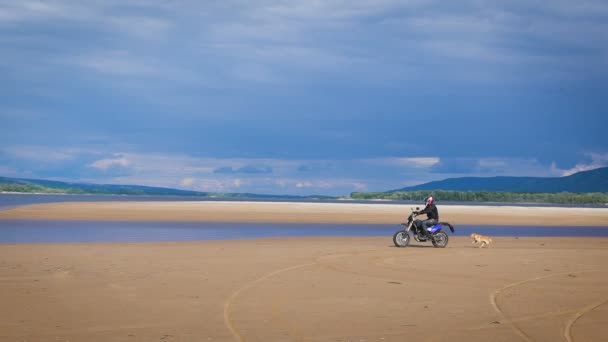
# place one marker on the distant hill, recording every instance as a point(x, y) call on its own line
point(585, 181)
point(49, 186)
point(23, 185)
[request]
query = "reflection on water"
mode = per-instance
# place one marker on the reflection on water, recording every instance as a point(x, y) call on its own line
point(27, 231)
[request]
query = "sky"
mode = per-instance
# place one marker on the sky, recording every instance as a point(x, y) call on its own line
point(301, 97)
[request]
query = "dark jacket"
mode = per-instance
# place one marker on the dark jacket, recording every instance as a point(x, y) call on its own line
point(430, 211)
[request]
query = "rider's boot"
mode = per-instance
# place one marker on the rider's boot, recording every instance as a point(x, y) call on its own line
point(422, 233)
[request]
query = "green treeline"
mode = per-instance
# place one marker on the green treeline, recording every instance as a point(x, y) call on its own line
point(440, 195)
point(35, 188)
point(29, 188)
point(489, 196)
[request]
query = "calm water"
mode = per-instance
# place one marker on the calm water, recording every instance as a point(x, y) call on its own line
point(27, 231)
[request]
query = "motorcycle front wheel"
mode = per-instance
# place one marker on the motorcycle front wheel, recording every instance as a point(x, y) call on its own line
point(401, 238)
point(440, 239)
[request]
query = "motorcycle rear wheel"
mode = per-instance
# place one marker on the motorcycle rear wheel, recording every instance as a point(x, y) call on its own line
point(401, 238)
point(440, 239)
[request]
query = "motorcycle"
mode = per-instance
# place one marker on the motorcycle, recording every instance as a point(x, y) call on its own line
point(435, 233)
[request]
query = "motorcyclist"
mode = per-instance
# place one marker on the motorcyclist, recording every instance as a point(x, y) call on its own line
point(432, 216)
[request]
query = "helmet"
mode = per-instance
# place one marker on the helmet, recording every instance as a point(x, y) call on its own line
point(429, 200)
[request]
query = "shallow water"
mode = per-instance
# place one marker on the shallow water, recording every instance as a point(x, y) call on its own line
point(33, 231)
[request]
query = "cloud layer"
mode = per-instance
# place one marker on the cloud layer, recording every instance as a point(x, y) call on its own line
point(301, 96)
point(270, 176)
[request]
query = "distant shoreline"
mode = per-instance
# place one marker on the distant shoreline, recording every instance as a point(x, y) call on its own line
point(61, 197)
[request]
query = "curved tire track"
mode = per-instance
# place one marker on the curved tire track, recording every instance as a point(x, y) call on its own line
point(497, 308)
point(228, 303)
point(589, 308)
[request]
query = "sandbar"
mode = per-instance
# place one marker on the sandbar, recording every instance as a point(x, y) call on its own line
point(295, 212)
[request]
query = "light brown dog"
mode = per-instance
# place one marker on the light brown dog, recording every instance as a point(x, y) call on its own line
point(477, 238)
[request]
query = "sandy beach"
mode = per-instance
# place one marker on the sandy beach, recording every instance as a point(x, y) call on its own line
point(281, 212)
point(306, 289)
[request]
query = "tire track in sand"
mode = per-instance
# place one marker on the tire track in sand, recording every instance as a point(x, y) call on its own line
point(494, 295)
point(589, 308)
point(228, 303)
point(228, 321)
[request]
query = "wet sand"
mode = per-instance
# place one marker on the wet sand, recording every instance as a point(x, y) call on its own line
point(306, 289)
point(280, 212)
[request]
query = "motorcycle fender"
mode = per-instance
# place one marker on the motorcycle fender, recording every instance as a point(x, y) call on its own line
point(447, 224)
point(434, 229)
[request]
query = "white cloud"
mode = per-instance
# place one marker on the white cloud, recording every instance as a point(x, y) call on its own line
point(406, 162)
point(331, 11)
point(419, 161)
point(219, 185)
point(105, 164)
point(303, 185)
point(116, 62)
point(211, 185)
point(335, 185)
point(187, 182)
point(17, 11)
point(127, 63)
point(360, 186)
point(597, 160)
point(493, 163)
point(100, 14)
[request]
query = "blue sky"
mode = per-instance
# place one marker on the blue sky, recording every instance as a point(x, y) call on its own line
point(301, 97)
